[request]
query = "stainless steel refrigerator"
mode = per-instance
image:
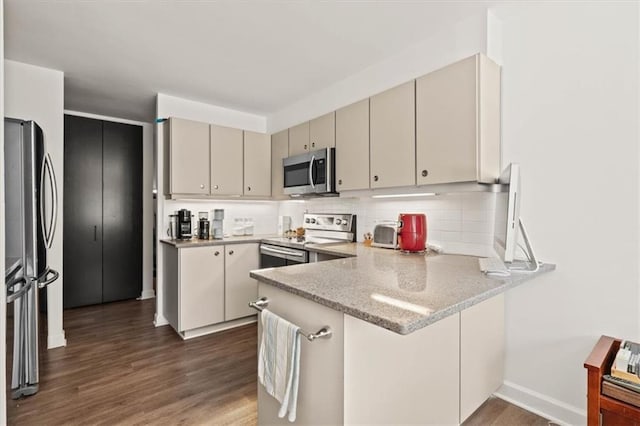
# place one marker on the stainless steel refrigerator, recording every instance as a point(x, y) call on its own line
point(30, 221)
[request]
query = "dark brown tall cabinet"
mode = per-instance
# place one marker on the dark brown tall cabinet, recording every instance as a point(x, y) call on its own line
point(102, 211)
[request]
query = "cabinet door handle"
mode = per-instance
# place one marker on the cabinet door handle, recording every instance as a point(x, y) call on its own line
point(339, 181)
point(216, 253)
point(425, 173)
point(313, 144)
point(215, 186)
point(375, 178)
point(230, 251)
point(248, 188)
point(201, 186)
point(305, 147)
point(95, 233)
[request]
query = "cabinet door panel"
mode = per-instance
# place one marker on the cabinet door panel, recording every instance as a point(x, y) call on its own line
point(226, 161)
point(393, 137)
point(240, 288)
point(279, 150)
point(201, 287)
point(257, 164)
point(481, 353)
point(352, 146)
point(299, 139)
point(189, 156)
point(320, 395)
point(122, 214)
point(82, 249)
point(446, 126)
point(322, 132)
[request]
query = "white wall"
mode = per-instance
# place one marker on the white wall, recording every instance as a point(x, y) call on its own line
point(170, 106)
point(147, 197)
point(35, 93)
point(570, 118)
point(465, 39)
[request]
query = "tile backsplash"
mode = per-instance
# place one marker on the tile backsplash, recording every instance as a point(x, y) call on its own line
point(459, 222)
point(263, 213)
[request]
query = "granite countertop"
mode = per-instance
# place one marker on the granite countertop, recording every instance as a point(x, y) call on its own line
point(195, 242)
point(400, 292)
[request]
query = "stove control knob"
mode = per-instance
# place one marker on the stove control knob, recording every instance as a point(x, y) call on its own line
point(307, 220)
point(313, 221)
point(338, 221)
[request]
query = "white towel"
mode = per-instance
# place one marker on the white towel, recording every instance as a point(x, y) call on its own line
point(279, 361)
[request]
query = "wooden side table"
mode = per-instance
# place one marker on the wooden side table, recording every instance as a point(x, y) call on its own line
point(614, 412)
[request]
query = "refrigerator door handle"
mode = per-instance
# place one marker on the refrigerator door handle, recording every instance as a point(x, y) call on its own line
point(11, 295)
point(47, 281)
point(50, 230)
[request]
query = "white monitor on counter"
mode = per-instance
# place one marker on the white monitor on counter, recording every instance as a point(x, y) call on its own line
point(505, 240)
point(508, 225)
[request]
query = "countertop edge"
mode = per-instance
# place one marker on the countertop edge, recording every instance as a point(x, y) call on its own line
point(408, 328)
point(194, 242)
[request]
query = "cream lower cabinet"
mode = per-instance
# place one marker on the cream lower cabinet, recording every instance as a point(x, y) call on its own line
point(240, 289)
point(352, 146)
point(392, 137)
point(226, 160)
point(279, 151)
point(201, 287)
point(320, 393)
point(257, 164)
point(186, 157)
point(208, 286)
point(365, 374)
point(458, 123)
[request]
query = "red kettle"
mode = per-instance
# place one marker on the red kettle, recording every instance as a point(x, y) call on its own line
point(412, 232)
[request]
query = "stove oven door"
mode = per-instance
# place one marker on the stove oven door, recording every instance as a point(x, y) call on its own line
point(272, 256)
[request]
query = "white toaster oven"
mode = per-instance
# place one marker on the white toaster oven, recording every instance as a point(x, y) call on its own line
point(385, 235)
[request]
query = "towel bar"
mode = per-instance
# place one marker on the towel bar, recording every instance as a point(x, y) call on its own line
point(325, 331)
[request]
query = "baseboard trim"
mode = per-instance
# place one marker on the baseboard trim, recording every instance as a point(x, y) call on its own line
point(542, 405)
point(160, 321)
point(147, 294)
point(202, 331)
point(56, 340)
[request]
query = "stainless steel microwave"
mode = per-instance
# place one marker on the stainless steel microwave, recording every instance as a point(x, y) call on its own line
point(310, 174)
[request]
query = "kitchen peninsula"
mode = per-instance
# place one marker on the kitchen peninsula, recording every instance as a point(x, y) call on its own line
point(415, 338)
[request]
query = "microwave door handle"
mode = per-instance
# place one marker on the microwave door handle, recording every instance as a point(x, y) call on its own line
point(313, 159)
point(50, 229)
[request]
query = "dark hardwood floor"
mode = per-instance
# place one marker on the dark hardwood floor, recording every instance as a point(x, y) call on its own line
point(118, 368)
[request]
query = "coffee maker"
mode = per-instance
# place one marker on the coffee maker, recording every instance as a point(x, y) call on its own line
point(203, 225)
point(184, 224)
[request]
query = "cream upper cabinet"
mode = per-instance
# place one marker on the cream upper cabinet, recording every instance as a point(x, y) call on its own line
point(257, 164)
point(201, 287)
point(240, 289)
point(352, 146)
point(458, 123)
point(226, 160)
point(299, 139)
point(188, 157)
point(392, 137)
point(279, 151)
point(322, 132)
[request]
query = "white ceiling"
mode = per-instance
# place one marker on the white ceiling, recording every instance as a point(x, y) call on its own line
point(253, 56)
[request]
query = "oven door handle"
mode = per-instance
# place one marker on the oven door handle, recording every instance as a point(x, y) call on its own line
point(280, 251)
